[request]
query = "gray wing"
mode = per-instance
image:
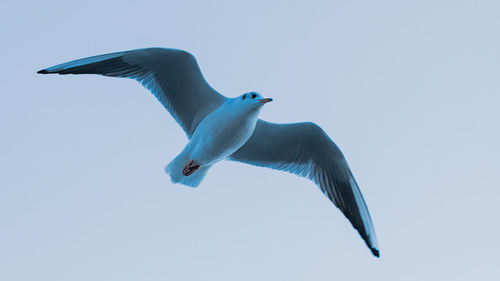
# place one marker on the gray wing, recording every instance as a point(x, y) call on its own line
point(173, 76)
point(306, 150)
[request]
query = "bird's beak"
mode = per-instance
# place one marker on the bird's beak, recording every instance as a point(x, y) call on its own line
point(265, 100)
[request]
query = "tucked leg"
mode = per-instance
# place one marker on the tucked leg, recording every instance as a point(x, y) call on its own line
point(190, 168)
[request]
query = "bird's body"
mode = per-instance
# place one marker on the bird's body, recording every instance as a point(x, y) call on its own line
point(219, 135)
point(223, 131)
point(228, 128)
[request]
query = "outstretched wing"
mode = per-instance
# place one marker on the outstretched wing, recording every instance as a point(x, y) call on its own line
point(306, 150)
point(173, 76)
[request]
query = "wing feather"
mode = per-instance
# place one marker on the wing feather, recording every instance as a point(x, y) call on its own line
point(306, 150)
point(172, 75)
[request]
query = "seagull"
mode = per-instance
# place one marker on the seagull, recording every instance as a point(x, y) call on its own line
point(221, 128)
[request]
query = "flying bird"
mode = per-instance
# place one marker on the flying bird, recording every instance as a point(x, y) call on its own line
point(220, 128)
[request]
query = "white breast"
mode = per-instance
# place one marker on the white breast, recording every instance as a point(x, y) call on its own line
point(221, 133)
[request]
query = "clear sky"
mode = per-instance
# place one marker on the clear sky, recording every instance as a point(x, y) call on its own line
point(409, 90)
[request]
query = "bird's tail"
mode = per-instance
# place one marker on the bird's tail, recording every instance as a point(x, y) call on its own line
point(176, 167)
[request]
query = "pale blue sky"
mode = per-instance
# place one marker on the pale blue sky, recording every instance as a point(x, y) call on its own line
point(409, 90)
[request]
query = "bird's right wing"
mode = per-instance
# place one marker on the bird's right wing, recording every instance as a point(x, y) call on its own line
point(172, 75)
point(304, 149)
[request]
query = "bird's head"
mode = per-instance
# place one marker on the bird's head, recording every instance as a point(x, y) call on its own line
point(252, 100)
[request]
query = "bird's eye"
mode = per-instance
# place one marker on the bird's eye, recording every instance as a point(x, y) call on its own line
point(253, 96)
point(244, 96)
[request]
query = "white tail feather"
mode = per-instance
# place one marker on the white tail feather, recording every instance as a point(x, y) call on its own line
point(175, 167)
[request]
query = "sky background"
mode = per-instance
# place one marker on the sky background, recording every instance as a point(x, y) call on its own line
point(409, 90)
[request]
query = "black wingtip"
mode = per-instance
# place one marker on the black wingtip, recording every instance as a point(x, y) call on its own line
point(375, 252)
point(43, 71)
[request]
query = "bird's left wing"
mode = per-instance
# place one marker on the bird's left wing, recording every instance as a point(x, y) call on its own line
point(305, 149)
point(172, 75)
